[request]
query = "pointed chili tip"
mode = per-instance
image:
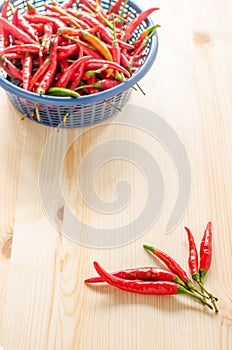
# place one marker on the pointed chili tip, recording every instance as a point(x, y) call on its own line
point(209, 225)
point(149, 247)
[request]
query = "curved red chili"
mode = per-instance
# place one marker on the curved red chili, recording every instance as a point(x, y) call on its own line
point(172, 265)
point(15, 31)
point(23, 24)
point(145, 287)
point(193, 256)
point(10, 68)
point(96, 64)
point(137, 20)
point(39, 73)
point(66, 76)
point(31, 48)
point(206, 251)
point(115, 7)
point(142, 273)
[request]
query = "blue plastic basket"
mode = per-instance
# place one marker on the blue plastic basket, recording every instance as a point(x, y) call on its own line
point(85, 110)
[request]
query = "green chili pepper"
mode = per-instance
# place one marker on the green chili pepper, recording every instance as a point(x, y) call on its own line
point(63, 92)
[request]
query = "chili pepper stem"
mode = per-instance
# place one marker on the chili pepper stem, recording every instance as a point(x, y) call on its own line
point(208, 293)
point(183, 290)
point(143, 92)
point(112, 105)
point(37, 111)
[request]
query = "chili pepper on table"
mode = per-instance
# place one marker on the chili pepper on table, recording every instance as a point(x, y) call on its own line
point(172, 265)
point(146, 287)
point(193, 265)
point(206, 252)
point(193, 256)
point(142, 273)
point(15, 32)
point(137, 21)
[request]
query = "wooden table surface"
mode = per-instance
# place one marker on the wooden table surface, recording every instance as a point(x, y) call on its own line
point(44, 303)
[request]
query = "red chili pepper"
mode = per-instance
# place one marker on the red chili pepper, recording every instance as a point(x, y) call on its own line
point(76, 81)
point(63, 65)
point(136, 22)
point(45, 19)
point(172, 265)
point(21, 49)
point(124, 61)
point(4, 39)
point(96, 64)
point(23, 24)
point(206, 251)
point(4, 8)
point(193, 256)
point(68, 3)
point(66, 76)
point(15, 32)
point(47, 37)
point(39, 28)
point(39, 74)
point(81, 51)
point(66, 51)
point(48, 77)
point(144, 287)
point(4, 35)
point(193, 264)
point(67, 16)
point(103, 84)
point(95, 7)
point(142, 273)
point(89, 52)
point(105, 34)
point(115, 7)
point(27, 69)
point(10, 69)
point(12, 56)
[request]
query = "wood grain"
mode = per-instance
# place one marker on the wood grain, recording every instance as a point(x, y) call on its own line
point(43, 301)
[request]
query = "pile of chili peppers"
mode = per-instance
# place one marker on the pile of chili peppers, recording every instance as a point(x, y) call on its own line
point(156, 281)
point(76, 48)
